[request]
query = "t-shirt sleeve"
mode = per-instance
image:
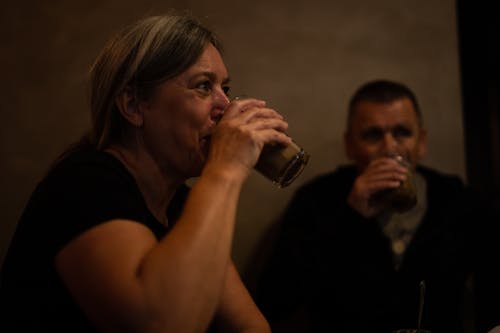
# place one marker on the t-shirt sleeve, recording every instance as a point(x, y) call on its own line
point(81, 197)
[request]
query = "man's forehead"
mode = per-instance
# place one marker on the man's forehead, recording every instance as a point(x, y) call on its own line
point(384, 114)
point(385, 127)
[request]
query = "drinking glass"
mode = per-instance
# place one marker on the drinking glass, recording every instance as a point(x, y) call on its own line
point(282, 165)
point(402, 198)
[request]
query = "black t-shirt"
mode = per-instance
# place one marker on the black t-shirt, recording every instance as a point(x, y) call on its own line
point(84, 190)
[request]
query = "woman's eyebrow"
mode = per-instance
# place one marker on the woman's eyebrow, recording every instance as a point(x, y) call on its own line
point(212, 76)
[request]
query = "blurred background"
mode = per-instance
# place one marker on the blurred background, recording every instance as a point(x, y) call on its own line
point(305, 58)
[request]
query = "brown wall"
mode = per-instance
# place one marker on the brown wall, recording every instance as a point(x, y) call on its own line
point(304, 57)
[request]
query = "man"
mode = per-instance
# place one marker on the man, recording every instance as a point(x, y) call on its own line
point(358, 265)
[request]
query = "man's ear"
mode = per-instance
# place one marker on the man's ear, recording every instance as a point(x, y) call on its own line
point(348, 146)
point(422, 144)
point(129, 108)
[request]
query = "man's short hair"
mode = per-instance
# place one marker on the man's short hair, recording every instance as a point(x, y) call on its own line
point(382, 91)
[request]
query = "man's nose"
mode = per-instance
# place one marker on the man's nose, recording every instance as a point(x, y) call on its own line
point(389, 144)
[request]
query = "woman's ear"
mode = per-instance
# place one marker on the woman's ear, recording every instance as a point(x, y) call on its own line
point(129, 108)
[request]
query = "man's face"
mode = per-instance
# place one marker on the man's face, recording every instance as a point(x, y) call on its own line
point(384, 129)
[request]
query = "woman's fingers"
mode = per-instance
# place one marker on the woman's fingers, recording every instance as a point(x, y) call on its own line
point(272, 136)
point(238, 107)
point(251, 116)
point(246, 126)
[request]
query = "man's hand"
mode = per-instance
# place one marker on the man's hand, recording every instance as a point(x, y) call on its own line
point(380, 174)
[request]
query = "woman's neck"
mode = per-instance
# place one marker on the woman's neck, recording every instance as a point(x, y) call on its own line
point(156, 187)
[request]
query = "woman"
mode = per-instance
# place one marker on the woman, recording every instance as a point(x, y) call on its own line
point(96, 249)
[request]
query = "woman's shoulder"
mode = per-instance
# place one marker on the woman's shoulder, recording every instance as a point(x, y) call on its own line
point(82, 182)
point(90, 160)
point(85, 169)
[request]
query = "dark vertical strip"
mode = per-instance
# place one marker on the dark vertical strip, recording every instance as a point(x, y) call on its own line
point(479, 35)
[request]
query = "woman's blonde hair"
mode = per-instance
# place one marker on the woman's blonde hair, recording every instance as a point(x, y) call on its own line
point(141, 57)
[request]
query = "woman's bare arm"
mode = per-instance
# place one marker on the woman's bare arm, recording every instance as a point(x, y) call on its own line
point(237, 311)
point(126, 281)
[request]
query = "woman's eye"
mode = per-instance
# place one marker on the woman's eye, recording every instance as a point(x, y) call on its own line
point(205, 86)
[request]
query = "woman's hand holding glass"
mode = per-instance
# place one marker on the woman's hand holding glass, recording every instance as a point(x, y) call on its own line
point(237, 141)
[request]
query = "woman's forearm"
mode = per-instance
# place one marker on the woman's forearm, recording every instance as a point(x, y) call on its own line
point(184, 275)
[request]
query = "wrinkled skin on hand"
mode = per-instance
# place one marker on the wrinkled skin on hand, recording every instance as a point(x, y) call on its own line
point(380, 174)
point(242, 132)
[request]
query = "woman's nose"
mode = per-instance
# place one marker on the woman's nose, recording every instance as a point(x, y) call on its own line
point(221, 101)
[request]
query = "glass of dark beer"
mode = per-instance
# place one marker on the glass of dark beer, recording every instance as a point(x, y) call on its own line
point(282, 165)
point(402, 198)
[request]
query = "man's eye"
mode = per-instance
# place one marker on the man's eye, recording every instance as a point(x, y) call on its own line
point(226, 90)
point(372, 135)
point(402, 132)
